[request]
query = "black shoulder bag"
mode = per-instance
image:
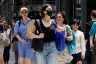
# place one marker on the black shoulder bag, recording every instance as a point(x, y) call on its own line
point(37, 43)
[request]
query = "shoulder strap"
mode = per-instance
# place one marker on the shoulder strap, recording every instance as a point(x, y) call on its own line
point(67, 28)
point(38, 22)
point(19, 23)
point(54, 22)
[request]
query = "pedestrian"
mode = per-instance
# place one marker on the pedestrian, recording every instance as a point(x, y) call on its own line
point(49, 53)
point(79, 52)
point(92, 34)
point(24, 44)
point(1, 25)
point(63, 35)
point(7, 36)
point(89, 55)
point(14, 41)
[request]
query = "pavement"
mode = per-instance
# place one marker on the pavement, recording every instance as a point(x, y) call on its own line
point(12, 56)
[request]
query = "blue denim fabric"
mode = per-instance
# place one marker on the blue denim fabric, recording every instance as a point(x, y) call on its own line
point(49, 54)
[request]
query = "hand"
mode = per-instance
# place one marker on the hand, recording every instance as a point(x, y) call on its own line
point(69, 38)
point(10, 44)
point(82, 55)
point(23, 41)
point(28, 34)
point(91, 45)
point(41, 35)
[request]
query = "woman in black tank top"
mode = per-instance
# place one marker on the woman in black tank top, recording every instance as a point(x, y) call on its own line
point(48, 56)
point(49, 53)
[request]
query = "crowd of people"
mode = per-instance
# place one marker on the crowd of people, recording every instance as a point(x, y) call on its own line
point(60, 40)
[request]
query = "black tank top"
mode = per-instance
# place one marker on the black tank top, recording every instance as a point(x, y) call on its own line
point(48, 32)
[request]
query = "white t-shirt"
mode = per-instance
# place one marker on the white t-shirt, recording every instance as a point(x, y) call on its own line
point(6, 38)
point(80, 42)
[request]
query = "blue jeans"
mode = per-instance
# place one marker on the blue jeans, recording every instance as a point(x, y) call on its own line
point(49, 54)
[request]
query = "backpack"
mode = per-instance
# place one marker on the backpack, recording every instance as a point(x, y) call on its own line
point(14, 38)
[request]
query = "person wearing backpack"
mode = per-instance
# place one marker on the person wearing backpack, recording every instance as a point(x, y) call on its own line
point(92, 38)
point(14, 42)
point(7, 37)
point(79, 52)
point(24, 44)
point(89, 54)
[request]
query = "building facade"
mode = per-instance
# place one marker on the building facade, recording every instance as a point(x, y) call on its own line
point(79, 9)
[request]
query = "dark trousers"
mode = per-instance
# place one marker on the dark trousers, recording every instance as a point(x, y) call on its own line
point(89, 57)
point(6, 54)
point(89, 54)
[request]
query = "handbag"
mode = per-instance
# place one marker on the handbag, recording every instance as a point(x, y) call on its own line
point(4, 39)
point(37, 43)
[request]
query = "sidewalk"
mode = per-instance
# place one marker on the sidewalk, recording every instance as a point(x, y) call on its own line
point(12, 56)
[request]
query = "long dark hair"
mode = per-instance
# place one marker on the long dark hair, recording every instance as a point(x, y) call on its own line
point(43, 9)
point(63, 15)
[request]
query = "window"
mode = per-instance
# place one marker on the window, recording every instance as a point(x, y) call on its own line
point(77, 9)
point(18, 2)
point(78, 2)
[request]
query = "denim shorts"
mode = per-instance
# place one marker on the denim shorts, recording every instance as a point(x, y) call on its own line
point(25, 51)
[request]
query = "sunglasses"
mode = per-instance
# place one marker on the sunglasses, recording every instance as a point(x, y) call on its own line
point(58, 17)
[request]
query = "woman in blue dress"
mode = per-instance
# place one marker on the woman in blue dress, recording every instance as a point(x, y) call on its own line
point(24, 44)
